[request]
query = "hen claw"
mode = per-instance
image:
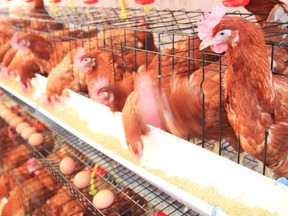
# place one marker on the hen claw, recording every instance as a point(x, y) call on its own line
point(4, 72)
point(25, 88)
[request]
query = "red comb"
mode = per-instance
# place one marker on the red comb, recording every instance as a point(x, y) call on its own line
point(78, 56)
point(205, 28)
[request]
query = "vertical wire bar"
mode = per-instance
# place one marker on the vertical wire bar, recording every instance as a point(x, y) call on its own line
point(147, 52)
point(173, 60)
point(220, 107)
point(265, 152)
point(238, 150)
point(188, 66)
point(135, 51)
point(189, 56)
point(159, 63)
point(113, 59)
point(203, 99)
point(272, 57)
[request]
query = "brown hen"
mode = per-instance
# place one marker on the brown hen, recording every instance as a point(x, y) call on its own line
point(261, 8)
point(59, 49)
point(31, 194)
point(255, 100)
point(141, 38)
point(109, 75)
point(61, 204)
point(273, 17)
point(182, 113)
point(65, 75)
point(28, 55)
point(12, 177)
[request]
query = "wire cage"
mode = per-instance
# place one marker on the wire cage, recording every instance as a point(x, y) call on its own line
point(166, 43)
point(29, 194)
point(21, 154)
point(133, 194)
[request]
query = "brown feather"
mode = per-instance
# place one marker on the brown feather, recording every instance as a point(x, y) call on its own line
point(65, 75)
point(117, 69)
point(134, 126)
point(256, 101)
point(182, 113)
point(3, 49)
point(261, 8)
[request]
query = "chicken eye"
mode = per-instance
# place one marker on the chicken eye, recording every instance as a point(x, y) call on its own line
point(104, 95)
point(225, 32)
point(24, 43)
point(87, 60)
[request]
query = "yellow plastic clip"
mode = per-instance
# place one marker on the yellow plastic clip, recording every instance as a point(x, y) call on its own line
point(54, 8)
point(123, 14)
point(146, 8)
point(93, 189)
point(72, 5)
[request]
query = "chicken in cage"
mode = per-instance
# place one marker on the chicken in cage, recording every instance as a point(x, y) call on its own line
point(31, 194)
point(102, 175)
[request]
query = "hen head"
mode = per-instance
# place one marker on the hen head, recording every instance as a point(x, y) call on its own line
point(100, 92)
point(220, 32)
point(84, 60)
point(230, 32)
point(235, 3)
point(18, 43)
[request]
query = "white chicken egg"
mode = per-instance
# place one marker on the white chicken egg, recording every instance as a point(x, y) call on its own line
point(20, 127)
point(16, 121)
point(27, 132)
point(82, 179)
point(9, 117)
point(67, 165)
point(103, 199)
point(2, 105)
point(36, 139)
point(4, 112)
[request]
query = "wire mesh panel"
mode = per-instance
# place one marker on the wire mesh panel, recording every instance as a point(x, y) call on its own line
point(165, 41)
point(133, 194)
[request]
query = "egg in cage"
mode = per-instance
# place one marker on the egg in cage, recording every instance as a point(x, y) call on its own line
point(133, 194)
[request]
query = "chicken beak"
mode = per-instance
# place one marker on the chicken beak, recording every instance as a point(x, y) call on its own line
point(208, 42)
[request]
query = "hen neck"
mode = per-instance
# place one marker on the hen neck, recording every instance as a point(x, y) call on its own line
point(250, 97)
point(249, 65)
